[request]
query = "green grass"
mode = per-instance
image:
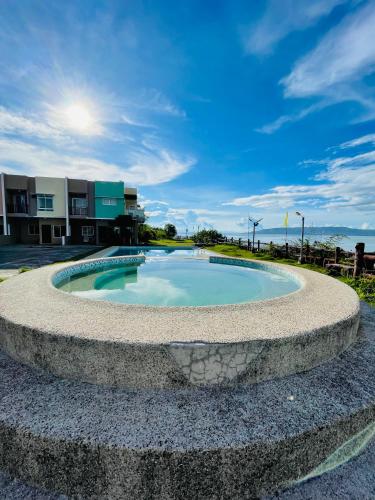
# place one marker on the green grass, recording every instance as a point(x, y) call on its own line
point(172, 243)
point(23, 270)
point(364, 287)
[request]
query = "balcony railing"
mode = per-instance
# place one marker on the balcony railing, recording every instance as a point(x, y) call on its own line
point(136, 213)
point(82, 211)
point(17, 208)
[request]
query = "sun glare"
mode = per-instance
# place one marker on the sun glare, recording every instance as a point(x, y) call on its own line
point(79, 118)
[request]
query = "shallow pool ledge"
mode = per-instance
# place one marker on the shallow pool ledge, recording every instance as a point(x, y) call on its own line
point(144, 346)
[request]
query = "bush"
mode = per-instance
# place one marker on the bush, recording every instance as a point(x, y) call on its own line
point(365, 287)
point(146, 233)
point(207, 236)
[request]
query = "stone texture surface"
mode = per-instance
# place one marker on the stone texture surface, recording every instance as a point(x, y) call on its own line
point(240, 442)
point(351, 481)
point(143, 346)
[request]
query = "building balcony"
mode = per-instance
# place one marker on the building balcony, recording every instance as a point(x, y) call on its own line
point(137, 213)
point(79, 211)
point(17, 208)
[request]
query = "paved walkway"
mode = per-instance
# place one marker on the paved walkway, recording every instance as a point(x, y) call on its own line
point(16, 256)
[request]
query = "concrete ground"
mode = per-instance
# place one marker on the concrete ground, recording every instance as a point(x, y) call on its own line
point(16, 256)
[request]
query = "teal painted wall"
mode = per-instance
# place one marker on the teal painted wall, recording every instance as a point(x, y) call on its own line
point(113, 190)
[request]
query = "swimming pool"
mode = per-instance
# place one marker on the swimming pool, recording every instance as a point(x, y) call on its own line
point(160, 251)
point(170, 280)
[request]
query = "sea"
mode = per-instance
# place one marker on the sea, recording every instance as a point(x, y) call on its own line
point(347, 243)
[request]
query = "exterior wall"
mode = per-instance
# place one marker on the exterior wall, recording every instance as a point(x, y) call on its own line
point(23, 232)
point(50, 185)
point(7, 240)
point(130, 197)
point(16, 181)
point(113, 190)
point(76, 231)
point(77, 186)
point(31, 196)
point(51, 222)
point(91, 196)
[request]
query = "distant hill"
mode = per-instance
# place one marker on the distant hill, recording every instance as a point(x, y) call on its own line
point(326, 231)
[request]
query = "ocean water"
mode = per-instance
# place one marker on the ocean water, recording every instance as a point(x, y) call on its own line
point(347, 243)
point(179, 281)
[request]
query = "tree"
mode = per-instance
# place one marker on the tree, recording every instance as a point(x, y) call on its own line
point(146, 233)
point(170, 231)
point(207, 236)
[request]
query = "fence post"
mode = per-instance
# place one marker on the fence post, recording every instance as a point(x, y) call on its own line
point(248, 244)
point(337, 255)
point(359, 259)
point(232, 240)
point(239, 242)
point(258, 245)
point(286, 249)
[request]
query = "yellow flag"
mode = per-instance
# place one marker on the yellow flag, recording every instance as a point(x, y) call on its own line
point(286, 220)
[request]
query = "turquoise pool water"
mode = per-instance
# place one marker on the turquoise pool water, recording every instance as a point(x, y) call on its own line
point(157, 251)
point(166, 281)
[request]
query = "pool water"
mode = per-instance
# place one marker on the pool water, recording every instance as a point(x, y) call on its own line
point(166, 281)
point(157, 251)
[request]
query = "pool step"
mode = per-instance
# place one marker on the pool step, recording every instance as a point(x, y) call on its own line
point(99, 442)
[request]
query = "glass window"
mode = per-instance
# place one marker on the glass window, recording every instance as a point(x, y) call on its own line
point(109, 201)
point(33, 229)
point(59, 231)
point(87, 231)
point(79, 202)
point(45, 202)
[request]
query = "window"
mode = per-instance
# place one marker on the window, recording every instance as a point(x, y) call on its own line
point(33, 229)
point(59, 231)
point(79, 203)
point(109, 201)
point(45, 202)
point(87, 231)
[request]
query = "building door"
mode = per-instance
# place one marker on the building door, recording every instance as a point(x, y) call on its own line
point(46, 233)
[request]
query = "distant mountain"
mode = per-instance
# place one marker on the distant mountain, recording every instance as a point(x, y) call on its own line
point(326, 231)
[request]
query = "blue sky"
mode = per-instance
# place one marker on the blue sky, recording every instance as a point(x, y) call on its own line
point(213, 109)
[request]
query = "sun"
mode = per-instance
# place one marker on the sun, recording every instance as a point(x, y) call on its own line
point(78, 117)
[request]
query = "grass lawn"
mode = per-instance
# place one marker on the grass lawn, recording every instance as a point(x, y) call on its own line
point(172, 243)
point(363, 286)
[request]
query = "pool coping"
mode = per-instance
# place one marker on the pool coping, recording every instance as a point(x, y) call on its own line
point(142, 346)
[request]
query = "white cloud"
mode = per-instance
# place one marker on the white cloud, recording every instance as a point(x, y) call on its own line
point(146, 168)
point(345, 54)
point(154, 213)
point(272, 127)
point(146, 203)
point(156, 166)
point(154, 100)
point(17, 123)
point(334, 70)
point(346, 183)
point(359, 141)
point(283, 17)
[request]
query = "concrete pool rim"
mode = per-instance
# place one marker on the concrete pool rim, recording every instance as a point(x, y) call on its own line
point(148, 346)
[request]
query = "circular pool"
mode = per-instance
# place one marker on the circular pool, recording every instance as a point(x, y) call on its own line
point(179, 282)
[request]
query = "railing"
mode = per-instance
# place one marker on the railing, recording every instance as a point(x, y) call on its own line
point(82, 211)
point(17, 208)
point(334, 260)
point(136, 213)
